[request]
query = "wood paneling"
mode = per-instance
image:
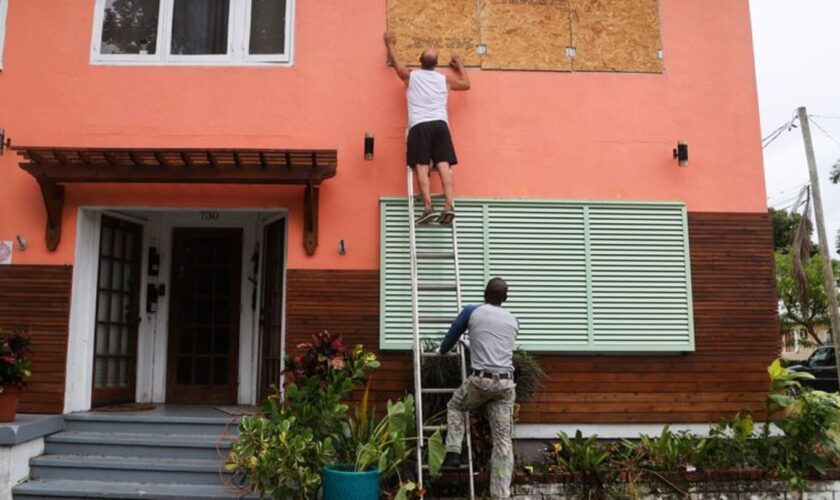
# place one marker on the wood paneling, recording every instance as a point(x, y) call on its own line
point(450, 26)
point(37, 298)
point(736, 335)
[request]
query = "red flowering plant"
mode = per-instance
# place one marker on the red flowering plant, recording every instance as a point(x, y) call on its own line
point(15, 365)
point(326, 352)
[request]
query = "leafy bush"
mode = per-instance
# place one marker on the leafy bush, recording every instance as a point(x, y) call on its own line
point(281, 452)
point(809, 444)
point(15, 363)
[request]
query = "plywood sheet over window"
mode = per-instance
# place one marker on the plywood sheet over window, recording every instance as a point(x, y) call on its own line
point(451, 26)
point(525, 34)
point(616, 35)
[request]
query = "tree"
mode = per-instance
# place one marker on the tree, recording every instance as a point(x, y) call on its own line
point(131, 26)
point(790, 309)
point(784, 228)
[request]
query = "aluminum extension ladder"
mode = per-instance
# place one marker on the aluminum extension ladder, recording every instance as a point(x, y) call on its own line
point(416, 320)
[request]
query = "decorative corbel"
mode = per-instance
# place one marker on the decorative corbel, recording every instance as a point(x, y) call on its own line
point(54, 204)
point(310, 218)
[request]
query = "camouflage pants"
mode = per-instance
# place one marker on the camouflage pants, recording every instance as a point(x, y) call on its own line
point(498, 395)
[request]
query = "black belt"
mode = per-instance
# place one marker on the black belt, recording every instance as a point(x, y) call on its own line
point(484, 374)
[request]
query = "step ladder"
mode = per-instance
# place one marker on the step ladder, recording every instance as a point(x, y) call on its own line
point(417, 319)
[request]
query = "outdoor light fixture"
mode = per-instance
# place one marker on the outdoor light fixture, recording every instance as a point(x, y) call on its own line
point(681, 153)
point(4, 143)
point(369, 146)
point(342, 247)
point(22, 244)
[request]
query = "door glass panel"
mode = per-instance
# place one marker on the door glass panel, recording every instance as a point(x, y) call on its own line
point(101, 339)
point(268, 26)
point(220, 371)
point(129, 246)
point(200, 27)
point(124, 341)
point(203, 341)
point(114, 340)
point(116, 276)
point(98, 374)
point(202, 370)
point(184, 370)
point(112, 372)
point(130, 27)
point(102, 306)
point(107, 241)
point(104, 273)
point(116, 308)
point(127, 277)
point(123, 373)
point(119, 242)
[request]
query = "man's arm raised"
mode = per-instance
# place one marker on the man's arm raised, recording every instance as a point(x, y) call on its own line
point(399, 67)
point(459, 79)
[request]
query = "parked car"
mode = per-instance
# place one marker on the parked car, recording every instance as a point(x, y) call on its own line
point(823, 366)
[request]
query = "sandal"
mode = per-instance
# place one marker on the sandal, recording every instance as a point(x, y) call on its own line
point(427, 217)
point(446, 216)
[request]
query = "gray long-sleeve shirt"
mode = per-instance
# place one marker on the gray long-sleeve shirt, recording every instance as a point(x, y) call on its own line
point(493, 332)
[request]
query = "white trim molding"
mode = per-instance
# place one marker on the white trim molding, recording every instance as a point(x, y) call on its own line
point(238, 50)
point(4, 9)
point(158, 224)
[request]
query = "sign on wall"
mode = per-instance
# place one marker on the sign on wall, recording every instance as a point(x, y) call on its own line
point(6, 252)
point(544, 35)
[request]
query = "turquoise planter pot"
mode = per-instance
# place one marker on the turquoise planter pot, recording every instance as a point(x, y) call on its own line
point(341, 483)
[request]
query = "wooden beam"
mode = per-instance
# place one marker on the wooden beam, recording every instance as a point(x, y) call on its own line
point(135, 159)
point(211, 158)
point(236, 159)
point(288, 159)
point(157, 174)
point(53, 195)
point(185, 157)
point(84, 156)
point(310, 218)
point(263, 160)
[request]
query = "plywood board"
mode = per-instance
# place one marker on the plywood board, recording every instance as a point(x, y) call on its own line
point(616, 35)
point(451, 26)
point(526, 34)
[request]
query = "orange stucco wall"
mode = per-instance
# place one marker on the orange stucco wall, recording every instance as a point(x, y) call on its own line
point(518, 134)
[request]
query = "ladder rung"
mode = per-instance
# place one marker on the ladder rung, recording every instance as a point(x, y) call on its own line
point(450, 354)
point(433, 428)
point(438, 390)
point(437, 287)
point(435, 255)
point(443, 467)
point(436, 319)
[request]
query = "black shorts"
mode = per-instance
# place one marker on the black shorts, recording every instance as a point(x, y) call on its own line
point(430, 142)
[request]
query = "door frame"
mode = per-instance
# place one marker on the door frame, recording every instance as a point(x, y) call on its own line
point(151, 353)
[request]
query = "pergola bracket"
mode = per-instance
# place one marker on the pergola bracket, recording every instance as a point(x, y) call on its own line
point(53, 195)
point(310, 218)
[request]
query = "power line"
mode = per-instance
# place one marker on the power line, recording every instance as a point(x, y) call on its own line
point(827, 117)
point(772, 136)
point(788, 189)
point(824, 131)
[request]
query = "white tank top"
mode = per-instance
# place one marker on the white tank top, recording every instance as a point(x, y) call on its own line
point(427, 97)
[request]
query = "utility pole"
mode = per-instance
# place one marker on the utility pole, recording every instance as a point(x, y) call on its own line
point(828, 273)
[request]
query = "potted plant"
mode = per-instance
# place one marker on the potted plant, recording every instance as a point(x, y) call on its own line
point(374, 450)
point(14, 370)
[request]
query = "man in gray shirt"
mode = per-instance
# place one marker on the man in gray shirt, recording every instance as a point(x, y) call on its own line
point(493, 332)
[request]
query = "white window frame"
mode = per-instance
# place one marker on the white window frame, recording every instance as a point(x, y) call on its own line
point(4, 7)
point(239, 30)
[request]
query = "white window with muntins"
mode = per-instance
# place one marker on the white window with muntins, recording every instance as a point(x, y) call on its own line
point(4, 7)
point(583, 276)
point(193, 32)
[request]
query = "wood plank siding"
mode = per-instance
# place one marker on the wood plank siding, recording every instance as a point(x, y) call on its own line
point(37, 298)
point(736, 335)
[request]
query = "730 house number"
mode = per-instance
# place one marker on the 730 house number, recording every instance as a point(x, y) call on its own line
point(208, 215)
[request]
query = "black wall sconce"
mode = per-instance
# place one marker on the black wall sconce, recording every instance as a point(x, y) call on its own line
point(4, 142)
point(342, 247)
point(369, 146)
point(681, 153)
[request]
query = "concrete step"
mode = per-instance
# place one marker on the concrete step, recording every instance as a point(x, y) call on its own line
point(150, 424)
point(73, 489)
point(195, 446)
point(128, 469)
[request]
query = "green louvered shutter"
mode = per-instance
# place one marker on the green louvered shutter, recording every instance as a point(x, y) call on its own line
point(583, 276)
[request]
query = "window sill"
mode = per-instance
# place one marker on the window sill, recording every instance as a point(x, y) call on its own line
point(258, 64)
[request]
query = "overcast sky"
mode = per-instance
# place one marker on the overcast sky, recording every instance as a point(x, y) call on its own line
point(797, 55)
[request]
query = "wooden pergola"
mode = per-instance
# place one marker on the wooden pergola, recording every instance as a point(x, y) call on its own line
point(53, 167)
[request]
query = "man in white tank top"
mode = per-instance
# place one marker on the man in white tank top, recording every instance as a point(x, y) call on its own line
point(429, 144)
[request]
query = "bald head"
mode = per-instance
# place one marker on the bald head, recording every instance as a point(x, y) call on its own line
point(429, 59)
